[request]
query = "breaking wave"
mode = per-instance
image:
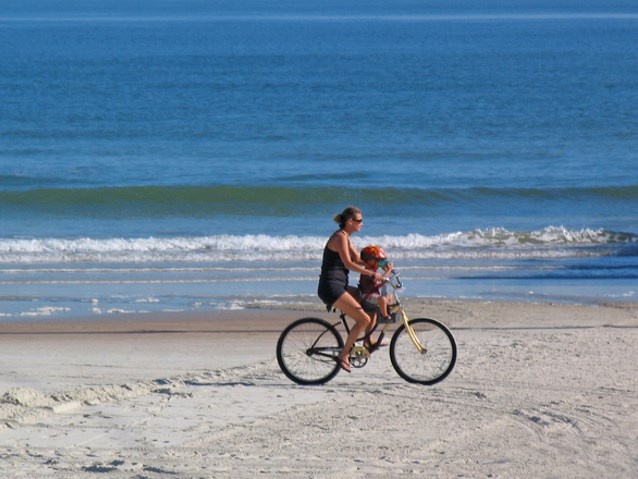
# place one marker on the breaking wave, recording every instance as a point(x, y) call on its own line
point(552, 241)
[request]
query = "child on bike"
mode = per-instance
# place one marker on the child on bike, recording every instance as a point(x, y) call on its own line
point(372, 293)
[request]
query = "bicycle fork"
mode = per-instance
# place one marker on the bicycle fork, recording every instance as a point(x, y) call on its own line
point(411, 333)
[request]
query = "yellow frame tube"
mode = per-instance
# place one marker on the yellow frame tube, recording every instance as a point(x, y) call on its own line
point(411, 332)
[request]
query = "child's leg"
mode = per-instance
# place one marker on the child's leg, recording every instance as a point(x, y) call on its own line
point(383, 306)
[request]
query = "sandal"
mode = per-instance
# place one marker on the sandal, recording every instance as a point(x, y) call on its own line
point(344, 365)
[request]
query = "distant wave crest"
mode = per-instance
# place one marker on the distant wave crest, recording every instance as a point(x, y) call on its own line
point(195, 201)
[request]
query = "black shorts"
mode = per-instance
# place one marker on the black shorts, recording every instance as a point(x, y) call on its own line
point(330, 291)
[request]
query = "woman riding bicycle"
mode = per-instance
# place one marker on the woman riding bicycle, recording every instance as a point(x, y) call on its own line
point(340, 257)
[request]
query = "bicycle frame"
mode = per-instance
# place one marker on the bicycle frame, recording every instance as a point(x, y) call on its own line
point(396, 308)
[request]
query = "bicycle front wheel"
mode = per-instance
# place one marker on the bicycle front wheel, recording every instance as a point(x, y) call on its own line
point(307, 350)
point(431, 364)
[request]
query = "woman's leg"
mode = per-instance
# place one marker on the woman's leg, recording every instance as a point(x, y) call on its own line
point(372, 314)
point(349, 305)
point(372, 324)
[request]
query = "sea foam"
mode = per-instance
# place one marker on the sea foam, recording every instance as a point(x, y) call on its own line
point(548, 242)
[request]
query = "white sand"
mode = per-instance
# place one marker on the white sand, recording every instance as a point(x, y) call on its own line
point(543, 391)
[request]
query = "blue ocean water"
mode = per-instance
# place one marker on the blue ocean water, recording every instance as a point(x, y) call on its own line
point(190, 155)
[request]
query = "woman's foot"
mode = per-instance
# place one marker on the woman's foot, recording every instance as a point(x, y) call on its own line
point(369, 344)
point(344, 362)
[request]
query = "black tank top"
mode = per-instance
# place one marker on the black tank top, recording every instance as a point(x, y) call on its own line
point(332, 268)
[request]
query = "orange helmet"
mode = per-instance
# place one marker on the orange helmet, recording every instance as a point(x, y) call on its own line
point(373, 253)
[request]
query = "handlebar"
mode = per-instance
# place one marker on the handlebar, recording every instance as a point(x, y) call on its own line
point(394, 279)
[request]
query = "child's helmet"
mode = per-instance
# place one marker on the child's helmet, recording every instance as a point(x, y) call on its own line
point(373, 253)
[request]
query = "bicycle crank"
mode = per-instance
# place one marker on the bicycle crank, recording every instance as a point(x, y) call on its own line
point(359, 357)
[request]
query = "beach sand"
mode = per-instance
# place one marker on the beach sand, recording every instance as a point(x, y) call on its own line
point(539, 390)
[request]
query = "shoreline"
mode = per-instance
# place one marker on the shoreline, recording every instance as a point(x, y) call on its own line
point(457, 314)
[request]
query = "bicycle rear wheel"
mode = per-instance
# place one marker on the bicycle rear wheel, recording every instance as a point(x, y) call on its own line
point(429, 366)
point(307, 351)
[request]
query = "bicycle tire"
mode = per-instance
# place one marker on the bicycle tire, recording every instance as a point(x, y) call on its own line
point(307, 350)
point(432, 365)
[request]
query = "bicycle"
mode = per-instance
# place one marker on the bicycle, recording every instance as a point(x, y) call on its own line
point(422, 350)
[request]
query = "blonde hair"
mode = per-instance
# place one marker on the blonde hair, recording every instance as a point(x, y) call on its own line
point(345, 215)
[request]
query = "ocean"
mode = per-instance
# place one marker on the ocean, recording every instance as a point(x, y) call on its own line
point(190, 155)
